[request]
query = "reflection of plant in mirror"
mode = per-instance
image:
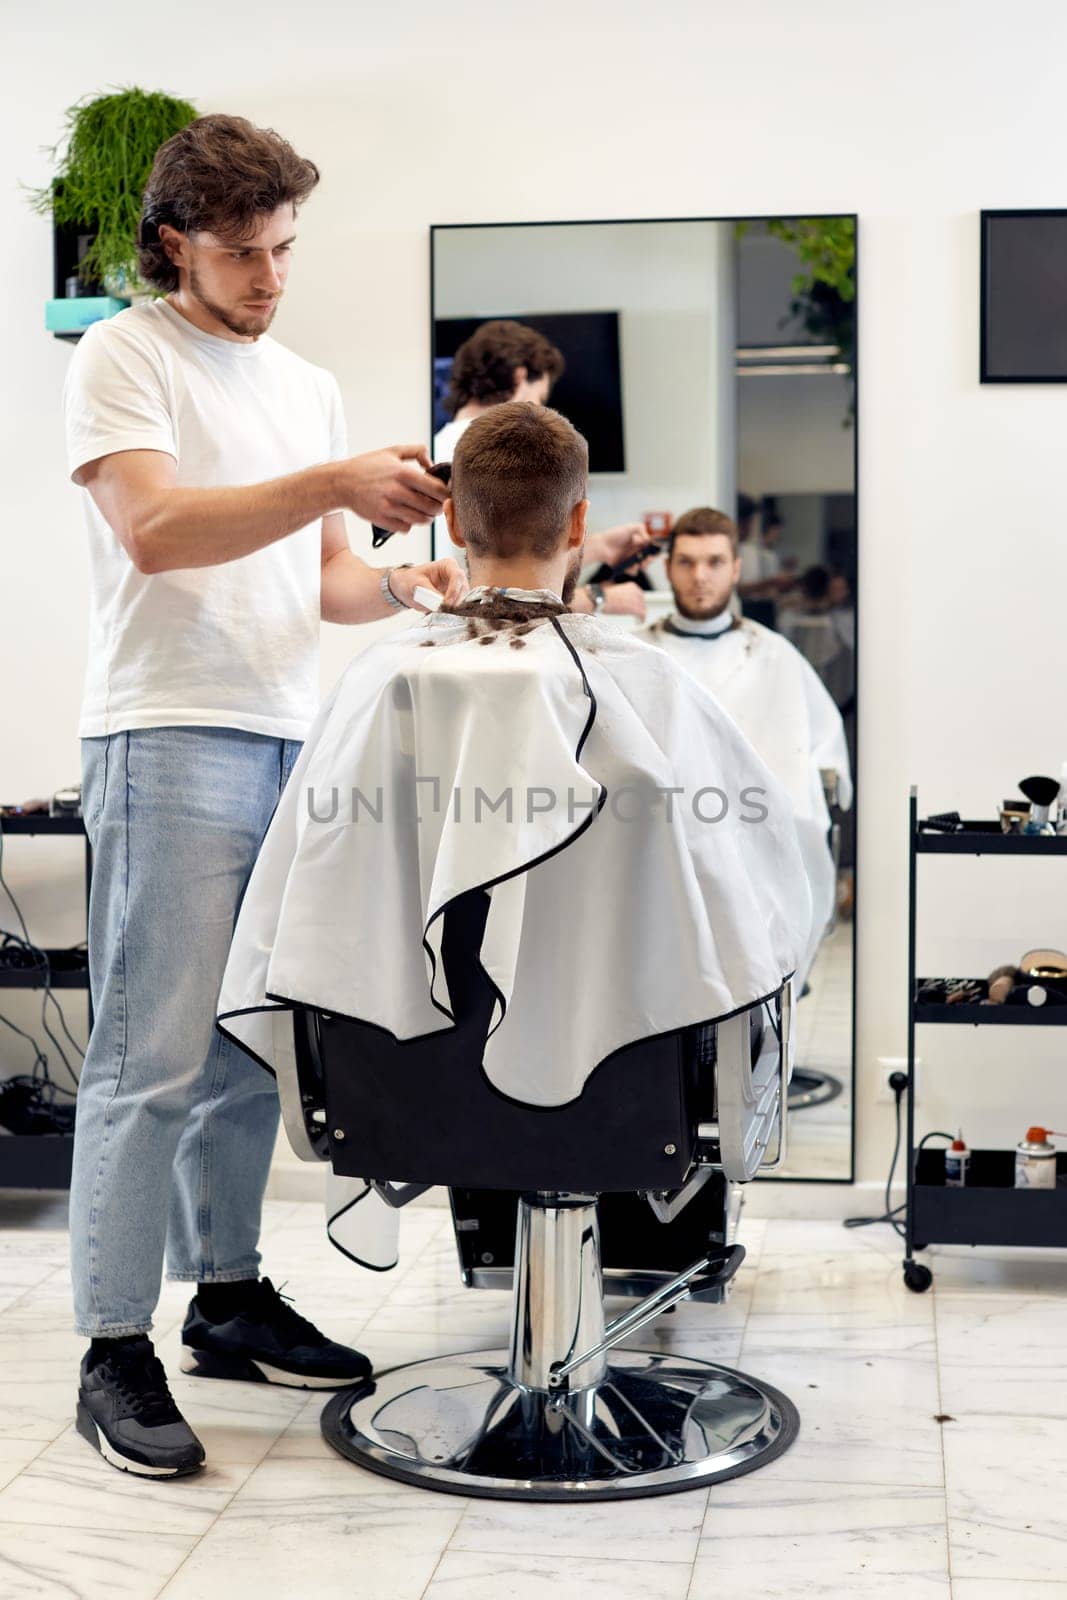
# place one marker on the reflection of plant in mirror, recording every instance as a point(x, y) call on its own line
point(111, 143)
point(824, 292)
point(827, 249)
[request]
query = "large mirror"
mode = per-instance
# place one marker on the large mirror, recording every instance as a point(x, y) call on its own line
point(711, 366)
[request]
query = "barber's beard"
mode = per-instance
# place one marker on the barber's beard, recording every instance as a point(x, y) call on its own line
point(247, 327)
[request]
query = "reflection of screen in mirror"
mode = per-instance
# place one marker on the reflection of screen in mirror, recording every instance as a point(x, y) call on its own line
point(590, 391)
point(1025, 302)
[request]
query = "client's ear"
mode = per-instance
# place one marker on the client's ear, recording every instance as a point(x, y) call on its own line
point(576, 531)
point(454, 533)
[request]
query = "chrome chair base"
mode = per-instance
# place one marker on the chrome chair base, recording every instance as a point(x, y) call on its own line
point(653, 1424)
point(810, 1088)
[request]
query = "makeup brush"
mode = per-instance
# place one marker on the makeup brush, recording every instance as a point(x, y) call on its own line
point(1041, 793)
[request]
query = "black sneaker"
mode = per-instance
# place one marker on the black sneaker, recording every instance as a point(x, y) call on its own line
point(268, 1342)
point(126, 1411)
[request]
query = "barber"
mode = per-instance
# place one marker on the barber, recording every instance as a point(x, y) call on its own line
point(218, 474)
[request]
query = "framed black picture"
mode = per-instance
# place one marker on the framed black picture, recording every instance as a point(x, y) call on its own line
point(1024, 297)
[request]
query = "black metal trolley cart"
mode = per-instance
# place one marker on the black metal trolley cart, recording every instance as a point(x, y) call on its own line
point(989, 1209)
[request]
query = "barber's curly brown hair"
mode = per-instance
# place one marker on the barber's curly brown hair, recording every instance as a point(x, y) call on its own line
point(219, 175)
point(483, 367)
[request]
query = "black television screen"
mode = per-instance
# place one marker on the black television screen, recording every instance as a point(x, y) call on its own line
point(1024, 297)
point(590, 391)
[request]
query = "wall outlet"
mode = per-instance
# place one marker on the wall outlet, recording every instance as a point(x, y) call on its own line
point(887, 1065)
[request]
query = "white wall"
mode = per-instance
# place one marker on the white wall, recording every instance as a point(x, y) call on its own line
point(673, 289)
point(914, 115)
point(791, 428)
point(792, 435)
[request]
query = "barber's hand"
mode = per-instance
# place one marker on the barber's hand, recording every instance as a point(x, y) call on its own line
point(624, 600)
point(392, 488)
point(615, 544)
point(445, 576)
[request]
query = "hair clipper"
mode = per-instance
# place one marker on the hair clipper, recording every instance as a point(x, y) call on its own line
point(442, 471)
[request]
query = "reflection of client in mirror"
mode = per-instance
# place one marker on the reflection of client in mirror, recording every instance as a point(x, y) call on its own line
point(505, 361)
point(775, 697)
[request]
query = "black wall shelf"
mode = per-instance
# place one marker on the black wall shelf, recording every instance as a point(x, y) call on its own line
point(34, 977)
point(40, 822)
point(988, 839)
point(36, 1160)
point(987, 1016)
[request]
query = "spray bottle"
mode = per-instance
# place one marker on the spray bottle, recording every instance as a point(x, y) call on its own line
point(1035, 1160)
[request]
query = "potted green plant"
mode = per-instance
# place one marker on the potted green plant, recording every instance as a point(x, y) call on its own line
point(103, 163)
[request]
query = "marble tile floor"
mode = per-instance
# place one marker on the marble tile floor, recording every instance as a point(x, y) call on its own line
point(930, 1465)
point(820, 1136)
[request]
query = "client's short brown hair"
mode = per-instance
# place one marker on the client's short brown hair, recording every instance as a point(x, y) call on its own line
point(484, 366)
point(518, 472)
point(704, 520)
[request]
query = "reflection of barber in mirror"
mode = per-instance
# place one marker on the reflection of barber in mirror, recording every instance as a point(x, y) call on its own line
point(764, 574)
point(819, 620)
point(504, 361)
point(771, 692)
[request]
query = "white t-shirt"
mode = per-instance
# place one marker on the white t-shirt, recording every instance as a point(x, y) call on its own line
point(235, 645)
point(445, 441)
point(758, 562)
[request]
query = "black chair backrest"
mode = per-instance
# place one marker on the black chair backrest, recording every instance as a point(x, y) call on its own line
point(423, 1111)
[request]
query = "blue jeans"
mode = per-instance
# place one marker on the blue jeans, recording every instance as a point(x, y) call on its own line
point(175, 1125)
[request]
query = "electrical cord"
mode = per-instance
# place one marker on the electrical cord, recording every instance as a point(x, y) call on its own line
point(899, 1083)
point(28, 1102)
point(890, 1214)
point(43, 960)
point(38, 961)
point(40, 1059)
point(62, 1019)
point(38, 958)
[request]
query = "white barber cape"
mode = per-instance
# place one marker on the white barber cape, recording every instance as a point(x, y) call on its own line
point(781, 705)
point(620, 908)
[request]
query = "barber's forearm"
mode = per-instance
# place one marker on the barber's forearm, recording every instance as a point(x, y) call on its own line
point(582, 600)
point(176, 528)
point(351, 590)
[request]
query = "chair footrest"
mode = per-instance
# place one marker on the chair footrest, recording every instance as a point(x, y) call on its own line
point(710, 1273)
point(707, 1286)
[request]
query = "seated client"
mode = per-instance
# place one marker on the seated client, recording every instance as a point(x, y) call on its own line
point(617, 818)
point(777, 700)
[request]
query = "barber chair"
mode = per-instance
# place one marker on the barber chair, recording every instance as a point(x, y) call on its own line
point(831, 786)
point(563, 1413)
point(808, 1086)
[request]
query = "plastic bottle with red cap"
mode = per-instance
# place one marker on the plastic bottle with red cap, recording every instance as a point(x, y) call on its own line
point(957, 1160)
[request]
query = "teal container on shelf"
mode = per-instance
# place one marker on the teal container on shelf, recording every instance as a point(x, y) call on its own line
point(75, 315)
